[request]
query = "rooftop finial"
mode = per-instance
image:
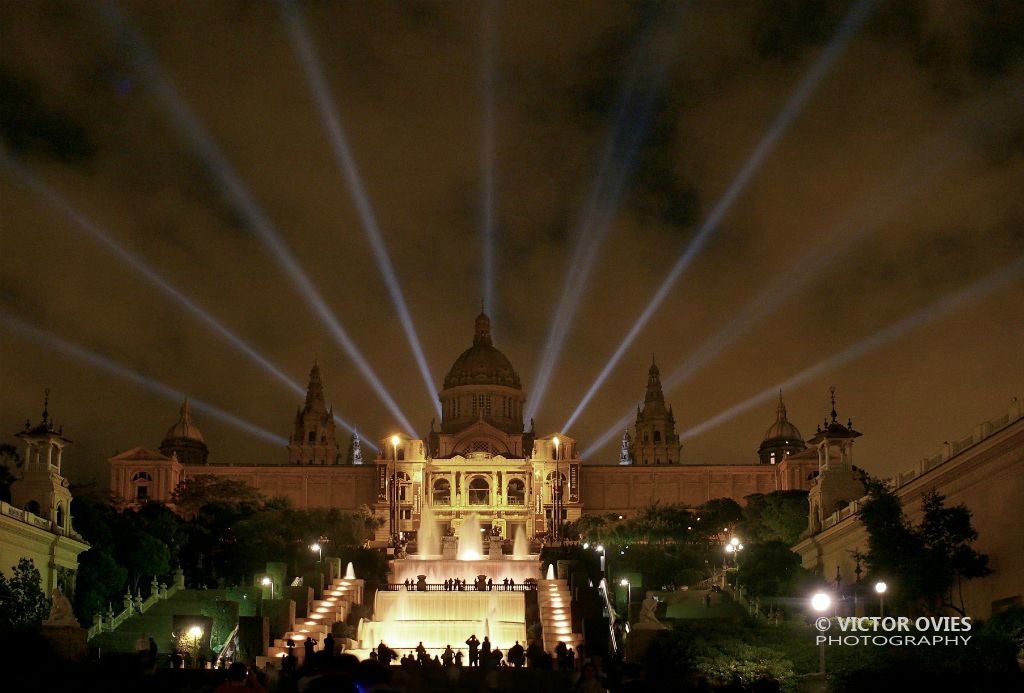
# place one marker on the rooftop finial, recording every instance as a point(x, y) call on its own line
point(46, 405)
point(781, 409)
point(832, 391)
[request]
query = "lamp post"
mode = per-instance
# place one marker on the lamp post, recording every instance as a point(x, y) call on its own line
point(600, 549)
point(267, 582)
point(196, 634)
point(820, 602)
point(394, 490)
point(319, 549)
point(629, 593)
point(557, 487)
point(880, 588)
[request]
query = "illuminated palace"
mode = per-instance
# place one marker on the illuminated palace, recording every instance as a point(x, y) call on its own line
point(481, 460)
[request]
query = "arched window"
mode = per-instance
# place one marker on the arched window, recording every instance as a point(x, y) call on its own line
point(142, 476)
point(657, 436)
point(60, 515)
point(401, 453)
point(479, 491)
point(32, 507)
point(516, 492)
point(442, 492)
point(556, 482)
point(646, 438)
point(311, 437)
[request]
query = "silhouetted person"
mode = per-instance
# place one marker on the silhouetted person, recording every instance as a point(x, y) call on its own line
point(485, 652)
point(505, 583)
point(496, 657)
point(240, 679)
point(448, 656)
point(589, 683)
point(421, 652)
point(458, 658)
point(384, 654)
point(474, 650)
point(310, 650)
point(490, 584)
point(329, 645)
point(562, 655)
point(707, 601)
point(516, 655)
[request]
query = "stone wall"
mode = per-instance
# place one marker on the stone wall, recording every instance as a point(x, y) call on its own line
point(985, 472)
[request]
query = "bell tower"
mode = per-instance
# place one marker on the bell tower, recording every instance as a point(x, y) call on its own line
point(656, 442)
point(313, 440)
point(838, 482)
point(42, 490)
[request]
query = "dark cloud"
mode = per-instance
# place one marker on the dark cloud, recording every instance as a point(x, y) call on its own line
point(697, 82)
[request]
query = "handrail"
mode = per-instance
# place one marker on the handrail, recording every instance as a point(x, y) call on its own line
point(468, 587)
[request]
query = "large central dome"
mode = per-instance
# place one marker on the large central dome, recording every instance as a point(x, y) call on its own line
point(482, 363)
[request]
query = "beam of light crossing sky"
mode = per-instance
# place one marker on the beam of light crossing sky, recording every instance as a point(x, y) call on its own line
point(935, 311)
point(191, 130)
point(865, 219)
point(487, 159)
point(121, 371)
point(939, 309)
point(854, 19)
point(103, 238)
point(622, 143)
point(313, 68)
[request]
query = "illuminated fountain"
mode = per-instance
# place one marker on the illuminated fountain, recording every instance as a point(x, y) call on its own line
point(350, 571)
point(418, 608)
point(520, 544)
point(428, 539)
point(471, 546)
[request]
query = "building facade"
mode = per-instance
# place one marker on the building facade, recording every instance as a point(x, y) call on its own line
point(480, 459)
point(37, 524)
point(984, 471)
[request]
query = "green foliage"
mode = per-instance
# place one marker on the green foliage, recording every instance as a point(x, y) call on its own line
point(1009, 624)
point(929, 562)
point(727, 661)
point(101, 581)
point(769, 569)
point(22, 601)
point(777, 516)
point(203, 489)
point(985, 663)
point(224, 617)
point(718, 514)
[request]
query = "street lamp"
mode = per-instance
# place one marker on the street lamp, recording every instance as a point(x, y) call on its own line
point(319, 549)
point(267, 582)
point(394, 489)
point(820, 602)
point(629, 593)
point(880, 588)
point(557, 500)
point(196, 633)
point(600, 547)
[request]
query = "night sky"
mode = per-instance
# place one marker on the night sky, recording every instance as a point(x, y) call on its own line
point(899, 182)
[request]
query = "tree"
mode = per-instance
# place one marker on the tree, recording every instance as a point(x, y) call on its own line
point(769, 569)
point(101, 581)
point(928, 562)
point(22, 602)
point(776, 516)
point(195, 492)
point(717, 514)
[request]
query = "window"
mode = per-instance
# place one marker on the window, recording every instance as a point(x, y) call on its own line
point(311, 437)
point(142, 476)
point(442, 492)
point(60, 514)
point(657, 461)
point(481, 405)
point(32, 507)
point(406, 513)
point(479, 491)
point(657, 436)
point(401, 453)
point(556, 481)
point(516, 492)
point(646, 438)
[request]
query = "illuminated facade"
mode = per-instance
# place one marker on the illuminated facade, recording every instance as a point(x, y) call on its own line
point(481, 459)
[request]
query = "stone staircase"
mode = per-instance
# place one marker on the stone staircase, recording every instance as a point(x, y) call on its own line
point(338, 600)
point(157, 622)
point(555, 605)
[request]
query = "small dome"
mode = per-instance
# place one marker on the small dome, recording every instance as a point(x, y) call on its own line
point(782, 432)
point(185, 429)
point(482, 363)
